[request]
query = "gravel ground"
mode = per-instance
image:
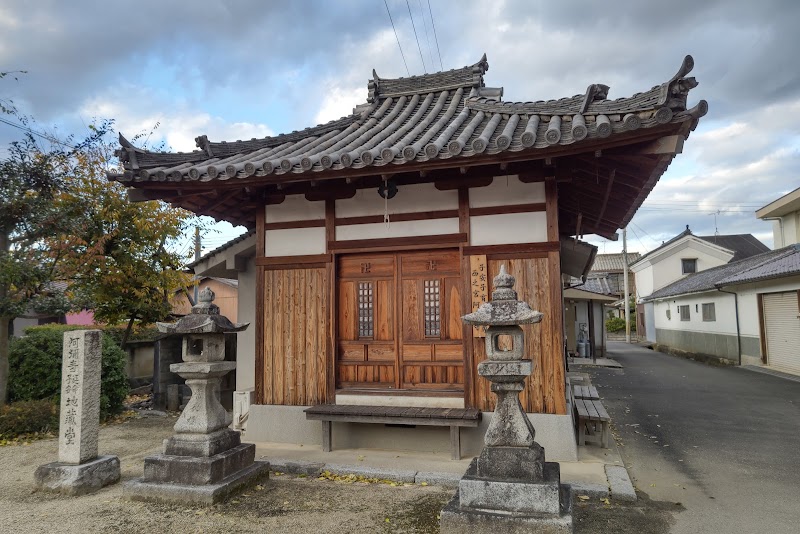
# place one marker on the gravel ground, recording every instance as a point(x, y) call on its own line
point(284, 503)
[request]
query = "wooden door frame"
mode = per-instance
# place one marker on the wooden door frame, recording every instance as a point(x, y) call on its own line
point(334, 299)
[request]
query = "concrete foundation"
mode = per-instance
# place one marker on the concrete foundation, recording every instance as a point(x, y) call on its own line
point(287, 424)
point(206, 494)
point(78, 479)
point(455, 520)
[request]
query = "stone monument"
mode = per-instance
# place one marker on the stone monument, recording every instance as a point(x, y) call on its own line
point(509, 487)
point(79, 469)
point(204, 461)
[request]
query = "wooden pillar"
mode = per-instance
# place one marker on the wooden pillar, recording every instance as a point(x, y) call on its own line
point(259, 337)
point(554, 376)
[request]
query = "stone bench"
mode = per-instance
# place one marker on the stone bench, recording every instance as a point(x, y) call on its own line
point(454, 418)
point(593, 422)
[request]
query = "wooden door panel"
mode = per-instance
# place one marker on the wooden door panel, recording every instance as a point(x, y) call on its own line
point(416, 297)
point(417, 353)
point(366, 266)
point(351, 352)
point(434, 264)
point(384, 310)
point(380, 353)
point(348, 313)
point(412, 311)
point(451, 317)
point(445, 353)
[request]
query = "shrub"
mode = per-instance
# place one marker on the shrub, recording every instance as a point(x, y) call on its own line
point(35, 368)
point(27, 417)
point(617, 324)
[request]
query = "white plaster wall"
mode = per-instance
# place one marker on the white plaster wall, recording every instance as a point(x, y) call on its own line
point(414, 198)
point(508, 228)
point(295, 208)
point(669, 269)
point(506, 190)
point(723, 307)
point(397, 229)
point(295, 242)
point(791, 230)
point(245, 341)
point(748, 300)
point(644, 281)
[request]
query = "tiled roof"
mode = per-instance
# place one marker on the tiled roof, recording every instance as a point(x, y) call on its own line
point(771, 264)
point(222, 248)
point(742, 245)
point(776, 266)
point(604, 263)
point(436, 116)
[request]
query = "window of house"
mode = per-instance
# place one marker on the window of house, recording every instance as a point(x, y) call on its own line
point(366, 317)
point(683, 311)
point(433, 318)
point(709, 313)
point(689, 265)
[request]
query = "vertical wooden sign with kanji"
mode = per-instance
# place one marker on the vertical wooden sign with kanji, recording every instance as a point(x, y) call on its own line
point(479, 287)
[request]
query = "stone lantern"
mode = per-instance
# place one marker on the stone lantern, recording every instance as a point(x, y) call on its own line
point(509, 486)
point(204, 461)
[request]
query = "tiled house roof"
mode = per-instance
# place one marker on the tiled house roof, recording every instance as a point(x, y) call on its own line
point(742, 245)
point(771, 264)
point(607, 263)
point(446, 128)
point(438, 116)
point(787, 263)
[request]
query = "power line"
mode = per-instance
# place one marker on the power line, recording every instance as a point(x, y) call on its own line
point(415, 37)
point(427, 39)
point(434, 36)
point(27, 129)
point(396, 37)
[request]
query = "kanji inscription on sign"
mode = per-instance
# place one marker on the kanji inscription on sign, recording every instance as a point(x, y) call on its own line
point(479, 287)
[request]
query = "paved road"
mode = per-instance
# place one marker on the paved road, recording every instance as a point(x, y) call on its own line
point(722, 441)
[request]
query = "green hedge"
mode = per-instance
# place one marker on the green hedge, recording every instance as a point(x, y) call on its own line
point(27, 417)
point(617, 324)
point(35, 368)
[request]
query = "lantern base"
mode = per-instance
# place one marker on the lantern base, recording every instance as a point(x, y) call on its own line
point(524, 464)
point(489, 505)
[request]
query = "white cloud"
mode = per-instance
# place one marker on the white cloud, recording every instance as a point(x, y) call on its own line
point(178, 123)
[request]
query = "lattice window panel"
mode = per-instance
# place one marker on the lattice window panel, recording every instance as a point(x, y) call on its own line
point(432, 309)
point(366, 310)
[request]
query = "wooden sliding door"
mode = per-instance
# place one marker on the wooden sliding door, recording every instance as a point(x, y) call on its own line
point(399, 323)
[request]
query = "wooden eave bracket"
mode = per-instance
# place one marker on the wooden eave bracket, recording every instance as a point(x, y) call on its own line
point(670, 144)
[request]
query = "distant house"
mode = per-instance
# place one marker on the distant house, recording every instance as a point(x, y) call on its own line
point(610, 267)
point(743, 312)
point(226, 291)
point(681, 256)
point(583, 315)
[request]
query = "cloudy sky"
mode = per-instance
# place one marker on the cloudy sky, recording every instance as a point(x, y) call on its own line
point(240, 69)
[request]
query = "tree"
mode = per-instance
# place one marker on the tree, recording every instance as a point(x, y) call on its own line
point(30, 180)
point(117, 256)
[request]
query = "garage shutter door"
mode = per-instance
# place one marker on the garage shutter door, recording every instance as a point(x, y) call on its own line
point(782, 327)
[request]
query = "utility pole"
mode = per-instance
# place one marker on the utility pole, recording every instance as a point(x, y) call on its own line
point(625, 283)
point(196, 257)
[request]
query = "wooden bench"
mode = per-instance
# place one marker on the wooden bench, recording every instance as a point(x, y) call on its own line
point(455, 418)
point(585, 392)
point(592, 422)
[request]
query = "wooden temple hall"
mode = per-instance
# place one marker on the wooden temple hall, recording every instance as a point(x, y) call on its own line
point(371, 235)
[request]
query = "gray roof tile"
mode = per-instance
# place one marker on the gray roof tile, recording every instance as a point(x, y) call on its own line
point(434, 116)
point(770, 264)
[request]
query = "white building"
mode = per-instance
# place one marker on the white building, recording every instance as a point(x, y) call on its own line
point(682, 256)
